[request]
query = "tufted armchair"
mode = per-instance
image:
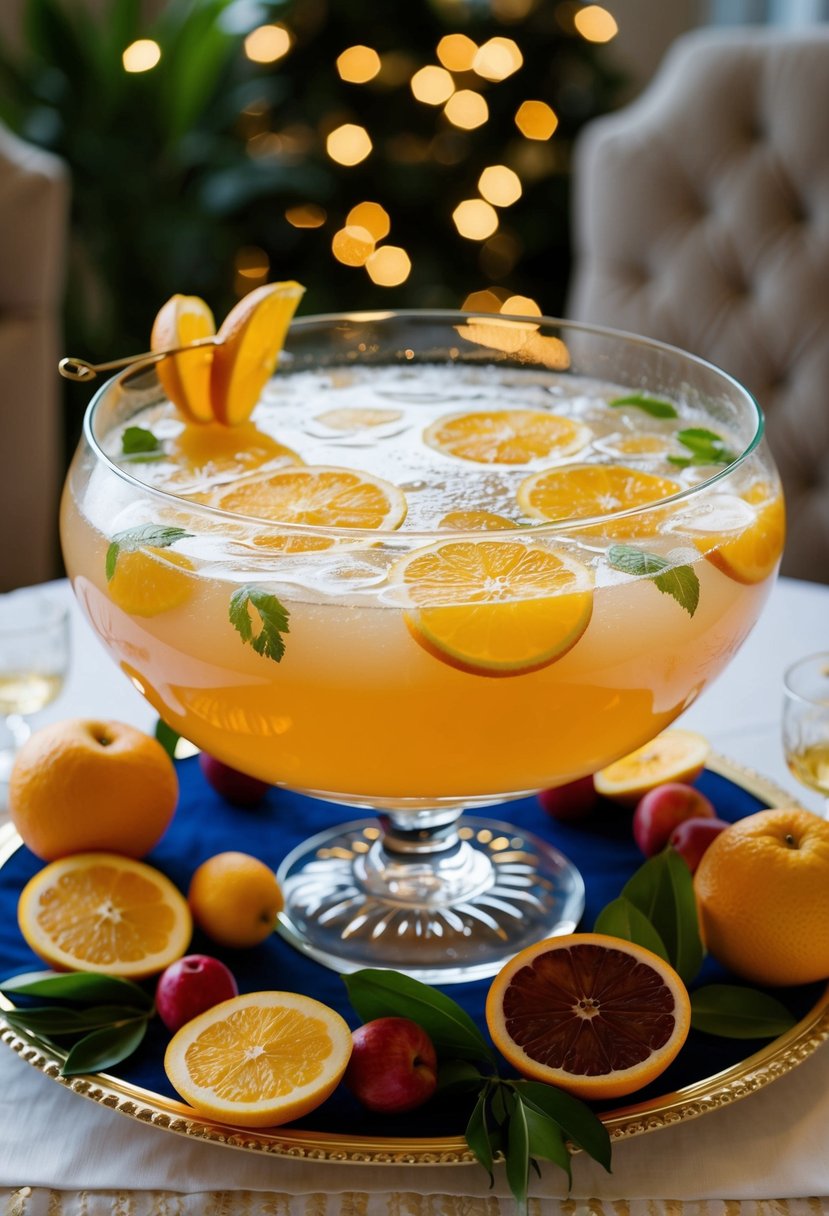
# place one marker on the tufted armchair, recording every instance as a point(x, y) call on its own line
point(701, 217)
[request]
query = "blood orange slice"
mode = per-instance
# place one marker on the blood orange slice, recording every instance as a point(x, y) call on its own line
point(597, 1016)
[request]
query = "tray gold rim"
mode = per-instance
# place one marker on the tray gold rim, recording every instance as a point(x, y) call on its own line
point(692, 1101)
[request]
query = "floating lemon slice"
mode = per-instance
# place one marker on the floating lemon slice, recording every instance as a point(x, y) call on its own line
point(597, 1016)
point(104, 912)
point(357, 419)
point(322, 496)
point(248, 345)
point(495, 608)
point(585, 490)
point(507, 436)
point(149, 581)
point(476, 521)
point(751, 556)
point(675, 755)
point(185, 377)
point(259, 1060)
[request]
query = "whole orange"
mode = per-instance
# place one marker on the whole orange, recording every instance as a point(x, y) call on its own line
point(762, 890)
point(235, 899)
point(81, 785)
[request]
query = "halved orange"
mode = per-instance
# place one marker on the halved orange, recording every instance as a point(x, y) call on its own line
point(495, 608)
point(594, 1015)
point(261, 1059)
point(104, 912)
point(752, 556)
point(584, 490)
point(507, 436)
point(185, 377)
point(476, 521)
point(249, 342)
point(674, 755)
point(151, 580)
point(321, 496)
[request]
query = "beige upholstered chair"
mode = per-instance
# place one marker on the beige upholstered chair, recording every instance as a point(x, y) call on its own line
point(701, 217)
point(33, 211)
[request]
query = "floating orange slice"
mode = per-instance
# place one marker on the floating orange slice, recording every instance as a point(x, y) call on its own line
point(507, 436)
point(104, 912)
point(752, 556)
point(185, 377)
point(357, 418)
point(674, 755)
point(476, 521)
point(248, 345)
point(321, 496)
point(259, 1060)
point(495, 608)
point(585, 490)
point(594, 1015)
point(149, 581)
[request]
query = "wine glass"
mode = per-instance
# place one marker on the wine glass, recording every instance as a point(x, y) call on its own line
point(806, 722)
point(34, 657)
point(336, 660)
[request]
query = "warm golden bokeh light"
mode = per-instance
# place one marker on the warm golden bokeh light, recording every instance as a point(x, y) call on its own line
point(352, 245)
point(497, 59)
point(595, 23)
point(141, 56)
point(475, 219)
point(432, 85)
point(520, 306)
point(482, 301)
point(306, 215)
point(466, 109)
point(500, 185)
point(358, 64)
point(457, 52)
point(536, 120)
point(512, 10)
point(348, 144)
point(389, 266)
point(371, 216)
point(251, 266)
point(267, 43)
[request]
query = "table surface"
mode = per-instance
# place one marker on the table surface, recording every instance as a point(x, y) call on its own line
point(776, 1140)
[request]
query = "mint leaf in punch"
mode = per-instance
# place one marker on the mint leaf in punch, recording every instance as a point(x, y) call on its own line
point(654, 406)
point(273, 620)
point(680, 582)
point(156, 535)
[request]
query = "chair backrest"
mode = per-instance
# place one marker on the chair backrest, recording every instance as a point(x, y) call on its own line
point(33, 226)
point(701, 217)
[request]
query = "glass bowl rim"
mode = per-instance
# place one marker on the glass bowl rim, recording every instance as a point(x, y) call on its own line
point(445, 316)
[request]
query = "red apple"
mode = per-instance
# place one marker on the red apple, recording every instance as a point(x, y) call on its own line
point(393, 1066)
point(662, 809)
point(189, 986)
point(692, 837)
point(570, 802)
point(237, 788)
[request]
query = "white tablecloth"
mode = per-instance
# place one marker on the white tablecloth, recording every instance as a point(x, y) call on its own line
point(62, 1154)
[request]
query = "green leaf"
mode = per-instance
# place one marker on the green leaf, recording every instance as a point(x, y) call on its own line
point(739, 1013)
point(376, 994)
point(681, 582)
point(574, 1117)
point(52, 1020)
point(273, 617)
point(518, 1155)
point(621, 918)
point(167, 737)
point(631, 560)
point(104, 1048)
point(458, 1075)
point(477, 1135)
point(545, 1139)
point(87, 987)
point(128, 541)
point(706, 447)
point(651, 405)
point(136, 440)
point(663, 890)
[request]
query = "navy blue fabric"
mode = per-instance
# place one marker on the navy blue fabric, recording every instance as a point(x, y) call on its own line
point(204, 824)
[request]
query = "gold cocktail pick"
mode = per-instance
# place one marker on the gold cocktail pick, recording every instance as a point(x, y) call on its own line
point(82, 370)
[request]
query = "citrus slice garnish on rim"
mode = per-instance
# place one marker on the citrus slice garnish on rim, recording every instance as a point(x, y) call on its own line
point(594, 1015)
point(151, 580)
point(495, 608)
point(322, 496)
point(585, 490)
point(248, 345)
point(674, 755)
point(752, 555)
point(185, 378)
point(506, 436)
point(259, 1060)
point(104, 912)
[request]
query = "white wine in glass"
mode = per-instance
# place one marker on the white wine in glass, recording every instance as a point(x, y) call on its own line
point(806, 722)
point(34, 656)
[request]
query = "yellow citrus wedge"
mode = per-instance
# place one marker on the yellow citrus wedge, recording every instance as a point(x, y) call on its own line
point(584, 490)
point(675, 755)
point(104, 912)
point(185, 377)
point(751, 556)
point(259, 1060)
point(594, 1015)
point(476, 521)
point(149, 581)
point(506, 436)
point(495, 608)
point(248, 345)
point(321, 496)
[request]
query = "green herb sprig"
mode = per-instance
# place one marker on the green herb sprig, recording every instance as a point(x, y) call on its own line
point(273, 620)
point(139, 444)
point(681, 582)
point(706, 447)
point(654, 406)
point(158, 536)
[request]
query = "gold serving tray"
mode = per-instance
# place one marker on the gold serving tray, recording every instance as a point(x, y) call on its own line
point(721, 1089)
